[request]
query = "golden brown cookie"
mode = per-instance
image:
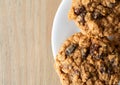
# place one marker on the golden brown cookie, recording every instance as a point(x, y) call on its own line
point(96, 17)
point(84, 60)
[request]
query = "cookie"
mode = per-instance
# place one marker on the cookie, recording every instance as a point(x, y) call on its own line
point(96, 17)
point(84, 60)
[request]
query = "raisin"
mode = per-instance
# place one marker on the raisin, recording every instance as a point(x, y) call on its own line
point(96, 15)
point(83, 17)
point(82, 20)
point(101, 56)
point(81, 11)
point(109, 69)
point(82, 14)
point(77, 11)
point(82, 8)
point(70, 49)
point(85, 52)
point(103, 68)
point(93, 48)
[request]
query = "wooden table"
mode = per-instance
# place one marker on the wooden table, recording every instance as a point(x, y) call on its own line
point(25, 42)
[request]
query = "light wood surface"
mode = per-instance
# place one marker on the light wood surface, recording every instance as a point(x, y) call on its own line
point(25, 42)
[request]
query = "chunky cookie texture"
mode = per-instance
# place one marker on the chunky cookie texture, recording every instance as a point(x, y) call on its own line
point(96, 17)
point(84, 60)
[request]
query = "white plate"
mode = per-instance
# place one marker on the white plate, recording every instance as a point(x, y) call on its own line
point(62, 27)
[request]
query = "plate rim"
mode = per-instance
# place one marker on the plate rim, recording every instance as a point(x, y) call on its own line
point(53, 28)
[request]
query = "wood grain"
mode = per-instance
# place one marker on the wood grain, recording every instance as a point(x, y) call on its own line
point(25, 42)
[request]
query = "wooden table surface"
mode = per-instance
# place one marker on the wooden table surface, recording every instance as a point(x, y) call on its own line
point(25, 42)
